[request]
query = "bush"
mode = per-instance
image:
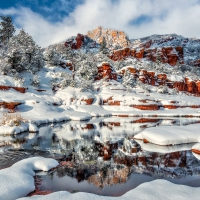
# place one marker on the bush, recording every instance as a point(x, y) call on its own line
point(12, 119)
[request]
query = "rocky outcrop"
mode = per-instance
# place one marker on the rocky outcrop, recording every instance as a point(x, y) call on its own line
point(146, 107)
point(88, 101)
point(67, 64)
point(10, 105)
point(151, 78)
point(106, 71)
point(19, 89)
point(113, 37)
point(170, 55)
point(75, 43)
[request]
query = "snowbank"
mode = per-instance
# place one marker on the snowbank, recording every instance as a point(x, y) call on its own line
point(155, 190)
point(14, 130)
point(17, 181)
point(165, 135)
point(164, 149)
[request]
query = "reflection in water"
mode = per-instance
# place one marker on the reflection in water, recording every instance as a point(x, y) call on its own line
point(101, 156)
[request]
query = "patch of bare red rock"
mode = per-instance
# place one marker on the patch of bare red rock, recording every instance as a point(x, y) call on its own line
point(19, 89)
point(106, 71)
point(77, 43)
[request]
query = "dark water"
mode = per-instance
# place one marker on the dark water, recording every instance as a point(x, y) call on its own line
point(100, 156)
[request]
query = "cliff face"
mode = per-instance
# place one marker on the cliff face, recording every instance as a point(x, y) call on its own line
point(75, 43)
point(112, 37)
point(186, 84)
point(170, 55)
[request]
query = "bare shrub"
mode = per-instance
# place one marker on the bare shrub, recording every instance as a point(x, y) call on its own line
point(12, 119)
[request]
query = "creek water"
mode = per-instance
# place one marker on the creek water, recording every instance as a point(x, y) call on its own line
point(101, 156)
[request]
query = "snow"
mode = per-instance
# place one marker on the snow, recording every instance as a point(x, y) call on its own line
point(196, 146)
point(154, 190)
point(165, 135)
point(13, 130)
point(175, 78)
point(17, 181)
point(164, 149)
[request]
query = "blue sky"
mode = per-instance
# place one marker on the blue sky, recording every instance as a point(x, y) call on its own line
point(53, 10)
point(51, 21)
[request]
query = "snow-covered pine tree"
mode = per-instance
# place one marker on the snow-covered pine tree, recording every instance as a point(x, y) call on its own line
point(103, 46)
point(129, 81)
point(35, 81)
point(7, 29)
point(51, 57)
point(22, 54)
point(87, 67)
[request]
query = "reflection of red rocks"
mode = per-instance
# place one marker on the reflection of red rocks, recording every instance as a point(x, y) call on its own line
point(110, 177)
point(106, 150)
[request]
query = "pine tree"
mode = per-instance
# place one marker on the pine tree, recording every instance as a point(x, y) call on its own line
point(129, 81)
point(103, 46)
point(22, 54)
point(87, 67)
point(7, 29)
point(51, 57)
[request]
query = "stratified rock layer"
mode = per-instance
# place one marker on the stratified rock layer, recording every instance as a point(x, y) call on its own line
point(170, 55)
point(112, 37)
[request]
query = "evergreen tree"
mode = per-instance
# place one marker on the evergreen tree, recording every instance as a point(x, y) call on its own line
point(87, 67)
point(7, 29)
point(103, 46)
point(51, 57)
point(129, 81)
point(22, 54)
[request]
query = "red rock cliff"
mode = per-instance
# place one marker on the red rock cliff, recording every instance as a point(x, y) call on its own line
point(168, 55)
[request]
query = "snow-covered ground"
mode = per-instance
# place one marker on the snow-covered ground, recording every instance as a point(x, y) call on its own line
point(17, 181)
point(108, 99)
point(170, 135)
point(155, 190)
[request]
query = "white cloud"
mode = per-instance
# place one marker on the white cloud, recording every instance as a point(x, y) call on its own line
point(180, 16)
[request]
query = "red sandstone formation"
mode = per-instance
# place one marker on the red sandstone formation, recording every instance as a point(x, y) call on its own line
point(168, 55)
point(10, 105)
point(112, 37)
point(146, 107)
point(39, 192)
point(88, 101)
point(66, 65)
point(196, 151)
point(19, 89)
point(77, 43)
point(151, 78)
point(88, 127)
point(106, 70)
